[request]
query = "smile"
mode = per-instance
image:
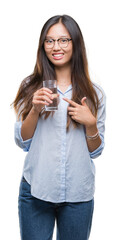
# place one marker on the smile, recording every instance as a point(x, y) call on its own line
point(57, 56)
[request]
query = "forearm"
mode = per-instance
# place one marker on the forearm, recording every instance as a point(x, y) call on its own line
point(92, 143)
point(29, 124)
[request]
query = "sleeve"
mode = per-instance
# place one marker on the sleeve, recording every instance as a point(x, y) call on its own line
point(100, 125)
point(25, 145)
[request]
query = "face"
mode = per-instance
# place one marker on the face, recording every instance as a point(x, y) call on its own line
point(58, 55)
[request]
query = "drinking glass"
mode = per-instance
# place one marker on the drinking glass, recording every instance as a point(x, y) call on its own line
point(52, 85)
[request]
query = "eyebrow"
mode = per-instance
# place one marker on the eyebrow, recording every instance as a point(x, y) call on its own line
point(59, 37)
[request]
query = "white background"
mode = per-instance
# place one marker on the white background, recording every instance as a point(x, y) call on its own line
point(20, 25)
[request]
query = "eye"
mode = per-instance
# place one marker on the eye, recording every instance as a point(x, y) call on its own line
point(49, 41)
point(63, 40)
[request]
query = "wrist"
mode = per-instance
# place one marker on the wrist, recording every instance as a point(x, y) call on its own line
point(34, 111)
point(91, 129)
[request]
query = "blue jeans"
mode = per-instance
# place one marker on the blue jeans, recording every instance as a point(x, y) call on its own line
point(37, 217)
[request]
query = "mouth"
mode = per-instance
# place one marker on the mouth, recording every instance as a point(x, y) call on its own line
point(57, 56)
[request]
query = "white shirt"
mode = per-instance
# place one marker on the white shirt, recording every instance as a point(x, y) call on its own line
point(58, 165)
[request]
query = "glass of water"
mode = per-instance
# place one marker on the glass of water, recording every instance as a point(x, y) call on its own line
point(52, 85)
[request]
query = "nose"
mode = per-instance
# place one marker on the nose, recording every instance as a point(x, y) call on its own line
point(56, 46)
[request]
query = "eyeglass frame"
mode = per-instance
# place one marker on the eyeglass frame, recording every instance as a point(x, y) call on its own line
point(68, 39)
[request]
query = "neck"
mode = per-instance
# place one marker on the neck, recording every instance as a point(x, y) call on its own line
point(63, 75)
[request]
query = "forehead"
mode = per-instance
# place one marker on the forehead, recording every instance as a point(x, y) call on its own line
point(58, 30)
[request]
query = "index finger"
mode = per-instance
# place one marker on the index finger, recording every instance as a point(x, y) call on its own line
point(74, 104)
point(46, 89)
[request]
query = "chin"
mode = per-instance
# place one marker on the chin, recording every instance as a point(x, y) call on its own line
point(60, 63)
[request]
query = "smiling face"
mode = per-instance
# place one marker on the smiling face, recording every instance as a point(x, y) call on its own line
point(59, 56)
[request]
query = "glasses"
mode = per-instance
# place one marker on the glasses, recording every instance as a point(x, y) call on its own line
point(63, 42)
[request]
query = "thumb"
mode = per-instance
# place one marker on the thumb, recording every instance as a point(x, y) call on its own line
point(83, 101)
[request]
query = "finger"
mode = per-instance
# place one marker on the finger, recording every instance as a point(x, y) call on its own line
point(54, 95)
point(74, 104)
point(46, 99)
point(45, 103)
point(72, 113)
point(73, 117)
point(71, 109)
point(43, 92)
point(83, 101)
point(42, 97)
point(46, 89)
point(40, 102)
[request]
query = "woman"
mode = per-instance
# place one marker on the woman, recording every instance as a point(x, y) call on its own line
point(59, 174)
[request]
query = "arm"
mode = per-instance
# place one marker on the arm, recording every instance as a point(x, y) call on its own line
point(24, 131)
point(29, 124)
point(101, 115)
point(25, 145)
point(93, 143)
point(41, 98)
point(83, 115)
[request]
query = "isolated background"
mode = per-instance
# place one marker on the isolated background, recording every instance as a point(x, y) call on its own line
point(20, 26)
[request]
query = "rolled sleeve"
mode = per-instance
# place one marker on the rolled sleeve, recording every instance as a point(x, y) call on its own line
point(25, 145)
point(97, 152)
point(100, 124)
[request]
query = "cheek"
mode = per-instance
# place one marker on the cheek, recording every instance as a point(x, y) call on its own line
point(70, 52)
point(47, 52)
point(69, 55)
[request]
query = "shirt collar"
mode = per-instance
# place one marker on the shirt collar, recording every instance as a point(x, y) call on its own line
point(67, 90)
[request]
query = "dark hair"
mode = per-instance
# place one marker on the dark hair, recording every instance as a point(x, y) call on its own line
point(44, 69)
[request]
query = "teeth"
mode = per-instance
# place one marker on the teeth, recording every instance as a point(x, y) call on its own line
point(57, 55)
